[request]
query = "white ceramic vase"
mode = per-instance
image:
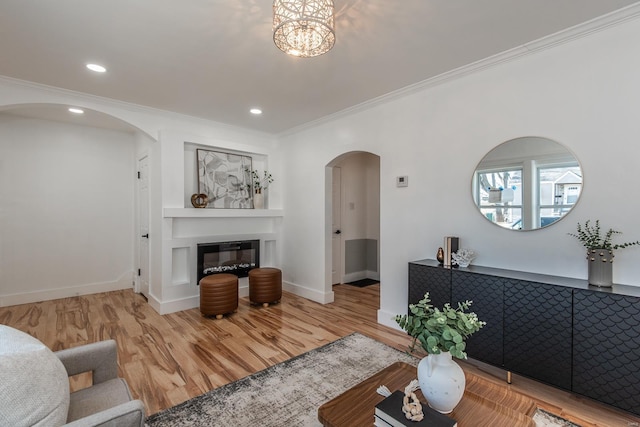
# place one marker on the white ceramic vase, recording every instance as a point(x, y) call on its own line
point(258, 201)
point(442, 381)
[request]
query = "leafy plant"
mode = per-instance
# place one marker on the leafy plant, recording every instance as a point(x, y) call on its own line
point(591, 237)
point(259, 183)
point(440, 330)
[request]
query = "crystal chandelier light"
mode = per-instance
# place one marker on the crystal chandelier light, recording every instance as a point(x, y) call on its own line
point(303, 27)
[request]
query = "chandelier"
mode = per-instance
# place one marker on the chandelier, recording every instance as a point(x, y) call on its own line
point(303, 27)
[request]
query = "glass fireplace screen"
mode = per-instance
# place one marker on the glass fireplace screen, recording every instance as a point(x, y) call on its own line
point(228, 257)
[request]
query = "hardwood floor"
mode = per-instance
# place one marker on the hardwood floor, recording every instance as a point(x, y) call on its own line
point(169, 359)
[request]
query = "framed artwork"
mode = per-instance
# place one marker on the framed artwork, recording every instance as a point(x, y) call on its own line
point(225, 179)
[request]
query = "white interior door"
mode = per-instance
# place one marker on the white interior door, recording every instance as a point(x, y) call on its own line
point(143, 221)
point(336, 215)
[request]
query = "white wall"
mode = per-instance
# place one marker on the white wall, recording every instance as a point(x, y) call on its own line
point(66, 198)
point(372, 198)
point(167, 181)
point(584, 94)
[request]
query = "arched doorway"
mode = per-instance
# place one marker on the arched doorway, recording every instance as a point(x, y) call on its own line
point(70, 201)
point(354, 220)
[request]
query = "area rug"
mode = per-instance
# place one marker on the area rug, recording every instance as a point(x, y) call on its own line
point(363, 282)
point(289, 393)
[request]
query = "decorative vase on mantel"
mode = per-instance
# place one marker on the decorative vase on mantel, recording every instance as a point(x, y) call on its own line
point(600, 267)
point(442, 381)
point(258, 199)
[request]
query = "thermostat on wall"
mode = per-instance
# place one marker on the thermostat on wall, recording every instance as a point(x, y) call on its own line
point(402, 181)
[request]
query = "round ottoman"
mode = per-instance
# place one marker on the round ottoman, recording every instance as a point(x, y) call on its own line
point(218, 294)
point(265, 286)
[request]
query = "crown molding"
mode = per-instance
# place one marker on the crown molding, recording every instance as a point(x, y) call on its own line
point(123, 105)
point(86, 97)
point(582, 30)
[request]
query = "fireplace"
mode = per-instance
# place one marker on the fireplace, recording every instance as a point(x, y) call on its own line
point(228, 257)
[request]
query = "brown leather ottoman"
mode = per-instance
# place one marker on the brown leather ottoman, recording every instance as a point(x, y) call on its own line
point(265, 285)
point(218, 294)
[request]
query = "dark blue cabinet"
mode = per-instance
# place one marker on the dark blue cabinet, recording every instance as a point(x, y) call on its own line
point(537, 331)
point(557, 330)
point(429, 277)
point(606, 352)
point(486, 292)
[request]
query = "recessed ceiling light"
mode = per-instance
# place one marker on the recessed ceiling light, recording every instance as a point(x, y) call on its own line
point(97, 68)
point(255, 111)
point(76, 110)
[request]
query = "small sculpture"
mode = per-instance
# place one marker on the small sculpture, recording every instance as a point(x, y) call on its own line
point(411, 406)
point(412, 409)
point(199, 200)
point(440, 255)
point(463, 257)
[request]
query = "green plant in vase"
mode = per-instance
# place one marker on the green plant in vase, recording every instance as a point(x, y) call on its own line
point(442, 334)
point(591, 237)
point(600, 249)
point(440, 330)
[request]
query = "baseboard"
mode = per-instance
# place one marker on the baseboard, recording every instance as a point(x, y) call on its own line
point(386, 318)
point(352, 277)
point(375, 275)
point(166, 307)
point(311, 294)
point(189, 302)
point(359, 275)
point(123, 282)
point(243, 291)
point(162, 307)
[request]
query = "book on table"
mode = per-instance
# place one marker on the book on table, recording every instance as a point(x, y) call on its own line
point(390, 412)
point(379, 422)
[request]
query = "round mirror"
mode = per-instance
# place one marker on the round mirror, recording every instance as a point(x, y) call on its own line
point(527, 183)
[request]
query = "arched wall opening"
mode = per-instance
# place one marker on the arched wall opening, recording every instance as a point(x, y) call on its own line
point(352, 227)
point(60, 113)
point(69, 207)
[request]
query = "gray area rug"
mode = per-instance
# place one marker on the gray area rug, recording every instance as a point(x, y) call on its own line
point(289, 393)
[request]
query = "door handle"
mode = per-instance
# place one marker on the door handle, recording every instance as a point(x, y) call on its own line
point(145, 235)
point(338, 232)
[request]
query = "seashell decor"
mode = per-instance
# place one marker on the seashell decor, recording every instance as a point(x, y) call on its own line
point(463, 257)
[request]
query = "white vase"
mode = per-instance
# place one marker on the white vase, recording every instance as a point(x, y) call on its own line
point(258, 201)
point(442, 381)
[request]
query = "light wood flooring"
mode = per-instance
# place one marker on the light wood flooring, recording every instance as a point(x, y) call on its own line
point(169, 359)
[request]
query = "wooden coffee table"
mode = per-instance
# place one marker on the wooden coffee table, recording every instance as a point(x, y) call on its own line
point(484, 403)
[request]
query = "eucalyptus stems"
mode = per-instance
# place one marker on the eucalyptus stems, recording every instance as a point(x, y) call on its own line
point(260, 183)
point(591, 237)
point(440, 330)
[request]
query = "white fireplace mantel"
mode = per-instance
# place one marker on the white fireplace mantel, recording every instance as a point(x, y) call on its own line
point(221, 213)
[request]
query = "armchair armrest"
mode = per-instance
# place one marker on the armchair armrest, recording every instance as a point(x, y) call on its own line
point(101, 358)
point(126, 414)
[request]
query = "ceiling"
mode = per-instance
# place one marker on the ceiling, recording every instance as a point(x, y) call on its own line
point(215, 59)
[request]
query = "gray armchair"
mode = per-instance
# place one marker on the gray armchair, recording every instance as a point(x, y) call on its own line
point(108, 401)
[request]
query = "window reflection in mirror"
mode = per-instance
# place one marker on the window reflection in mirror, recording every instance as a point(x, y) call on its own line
point(527, 183)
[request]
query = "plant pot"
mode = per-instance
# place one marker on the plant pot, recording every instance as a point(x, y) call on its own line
point(600, 262)
point(258, 201)
point(442, 381)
